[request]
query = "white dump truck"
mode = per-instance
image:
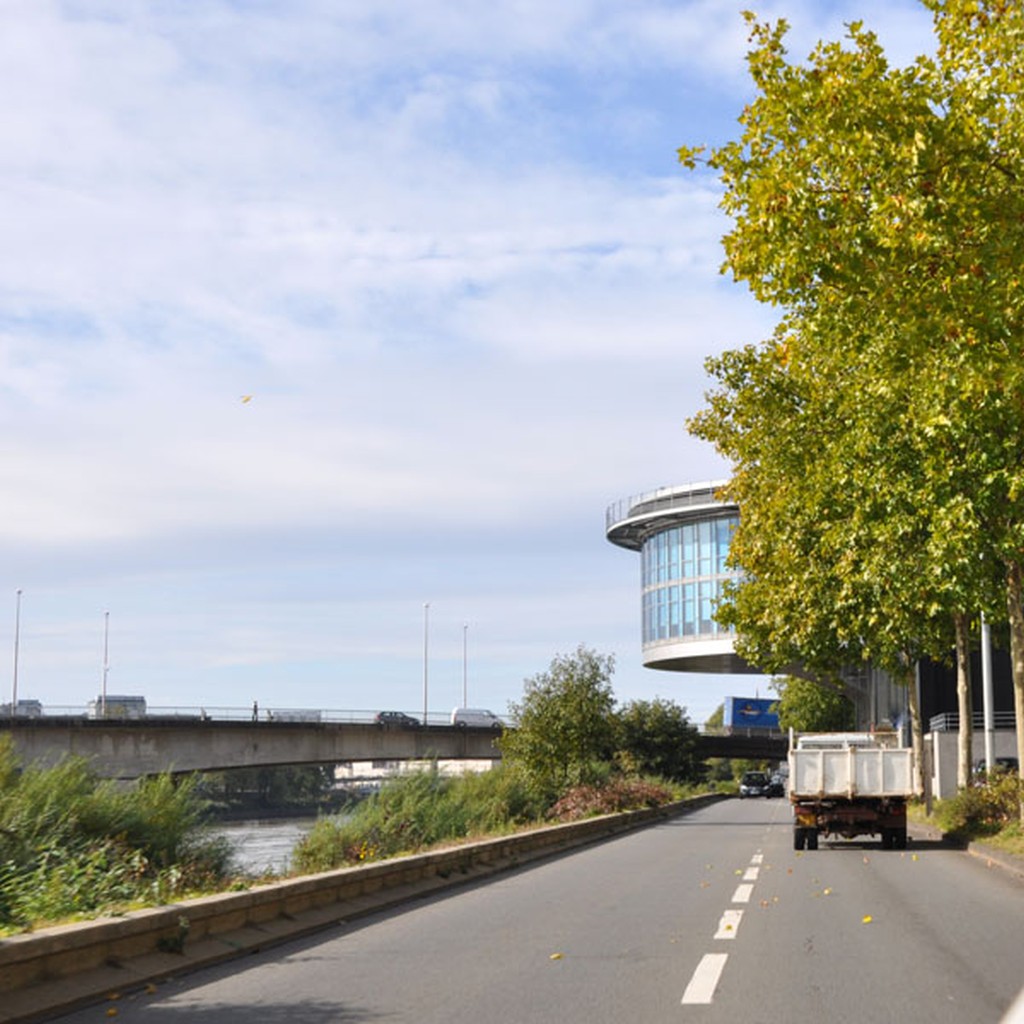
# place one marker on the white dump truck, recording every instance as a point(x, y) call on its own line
point(850, 784)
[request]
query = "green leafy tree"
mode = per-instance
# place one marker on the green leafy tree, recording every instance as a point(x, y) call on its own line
point(658, 739)
point(876, 436)
point(565, 727)
point(808, 707)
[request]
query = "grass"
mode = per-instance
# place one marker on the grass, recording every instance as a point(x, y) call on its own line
point(415, 812)
point(73, 846)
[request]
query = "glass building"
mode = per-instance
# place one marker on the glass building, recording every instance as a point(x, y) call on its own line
point(682, 534)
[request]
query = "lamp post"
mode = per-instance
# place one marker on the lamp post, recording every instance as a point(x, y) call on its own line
point(17, 640)
point(106, 664)
point(426, 635)
point(465, 698)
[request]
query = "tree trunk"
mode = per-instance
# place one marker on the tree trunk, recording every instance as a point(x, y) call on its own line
point(1015, 613)
point(916, 730)
point(963, 699)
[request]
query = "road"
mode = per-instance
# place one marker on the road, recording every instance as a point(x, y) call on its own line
point(711, 917)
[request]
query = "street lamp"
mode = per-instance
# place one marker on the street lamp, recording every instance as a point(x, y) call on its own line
point(426, 632)
point(106, 664)
point(465, 631)
point(17, 639)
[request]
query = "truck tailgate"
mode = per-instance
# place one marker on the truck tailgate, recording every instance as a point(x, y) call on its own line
point(855, 772)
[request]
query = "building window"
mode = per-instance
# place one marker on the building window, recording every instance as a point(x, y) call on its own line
point(683, 570)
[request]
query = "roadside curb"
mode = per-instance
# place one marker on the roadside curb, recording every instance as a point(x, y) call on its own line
point(56, 970)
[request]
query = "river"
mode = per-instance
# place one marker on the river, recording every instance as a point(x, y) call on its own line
point(262, 845)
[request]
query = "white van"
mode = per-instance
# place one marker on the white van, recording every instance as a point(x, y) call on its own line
point(120, 706)
point(478, 718)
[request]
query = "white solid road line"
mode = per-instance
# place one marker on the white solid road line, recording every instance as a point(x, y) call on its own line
point(705, 979)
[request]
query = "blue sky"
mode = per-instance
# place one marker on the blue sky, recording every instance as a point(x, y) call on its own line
point(314, 312)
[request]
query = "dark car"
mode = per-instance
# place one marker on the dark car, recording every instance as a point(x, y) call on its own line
point(776, 786)
point(1000, 766)
point(399, 718)
point(754, 784)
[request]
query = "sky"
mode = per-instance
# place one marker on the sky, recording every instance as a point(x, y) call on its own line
point(329, 331)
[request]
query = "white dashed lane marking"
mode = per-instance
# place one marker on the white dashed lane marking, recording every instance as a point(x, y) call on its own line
point(729, 924)
point(742, 893)
point(705, 979)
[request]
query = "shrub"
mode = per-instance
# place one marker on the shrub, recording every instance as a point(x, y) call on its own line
point(412, 812)
point(72, 845)
point(985, 809)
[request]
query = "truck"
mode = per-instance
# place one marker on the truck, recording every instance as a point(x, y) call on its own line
point(850, 784)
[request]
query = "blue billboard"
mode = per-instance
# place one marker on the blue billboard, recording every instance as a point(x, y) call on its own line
point(750, 713)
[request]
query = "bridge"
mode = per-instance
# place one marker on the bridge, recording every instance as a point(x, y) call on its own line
point(750, 745)
point(182, 741)
point(130, 748)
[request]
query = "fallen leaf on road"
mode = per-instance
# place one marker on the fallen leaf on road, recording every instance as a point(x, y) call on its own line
point(866, 919)
point(555, 956)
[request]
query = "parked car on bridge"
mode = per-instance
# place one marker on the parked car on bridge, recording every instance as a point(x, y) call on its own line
point(22, 709)
point(479, 718)
point(399, 718)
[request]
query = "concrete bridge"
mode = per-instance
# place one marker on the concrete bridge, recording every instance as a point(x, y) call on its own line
point(130, 748)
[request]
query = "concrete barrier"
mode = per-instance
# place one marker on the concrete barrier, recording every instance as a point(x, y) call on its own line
point(56, 969)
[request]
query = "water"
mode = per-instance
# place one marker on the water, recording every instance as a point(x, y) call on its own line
point(263, 845)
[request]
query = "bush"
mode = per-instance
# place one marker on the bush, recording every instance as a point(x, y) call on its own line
point(72, 845)
point(617, 795)
point(985, 809)
point(412, 812)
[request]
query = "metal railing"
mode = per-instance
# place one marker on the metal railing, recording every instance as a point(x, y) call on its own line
point(211, 713)
point(949, 721)
point(661, 499)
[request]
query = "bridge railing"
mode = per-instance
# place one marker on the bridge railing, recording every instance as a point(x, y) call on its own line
point(250, 713)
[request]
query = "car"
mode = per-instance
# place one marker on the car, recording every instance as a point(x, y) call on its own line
point(399, 718)
point(1000, 766)
point(754, 784)
point(776, 786)
point(480, 718)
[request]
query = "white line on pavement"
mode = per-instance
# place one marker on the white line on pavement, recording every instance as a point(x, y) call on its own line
point(742, 893)
point(705, 979)
point(729, 924)
point(750, 875)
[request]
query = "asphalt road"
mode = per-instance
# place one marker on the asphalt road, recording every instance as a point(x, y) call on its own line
point(711, 917)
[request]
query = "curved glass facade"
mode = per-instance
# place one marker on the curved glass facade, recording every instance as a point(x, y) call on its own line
point(683, 569)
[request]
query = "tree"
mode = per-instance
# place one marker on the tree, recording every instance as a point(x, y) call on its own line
point(659, 739)
point(876, 436)
point(564, 723)
point(807, 707)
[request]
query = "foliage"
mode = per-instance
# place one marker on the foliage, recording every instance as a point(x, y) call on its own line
point(716, 720)
point(984, 809)
point(414, 811)
point(564, 724)
point(875, 436)
point(73, 845)
point(270, 787)
point(806, 706)
point(618, 795)
point(658, 739)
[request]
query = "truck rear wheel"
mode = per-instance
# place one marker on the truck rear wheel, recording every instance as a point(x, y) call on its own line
point(812, 839)
point(799, 838)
